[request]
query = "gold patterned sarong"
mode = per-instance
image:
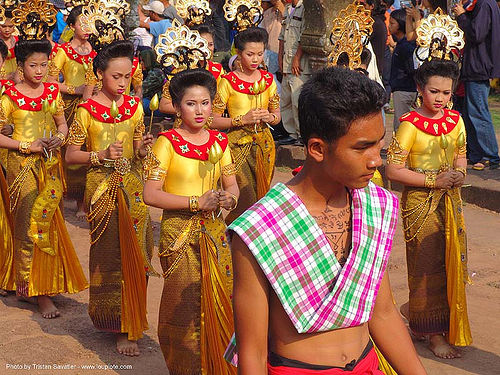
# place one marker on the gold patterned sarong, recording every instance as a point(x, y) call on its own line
point(74, 174)
point(6, 242)
point(196, 321)
point(436, 254)
point(254, 154)
point(120, 252)
point(45, 261)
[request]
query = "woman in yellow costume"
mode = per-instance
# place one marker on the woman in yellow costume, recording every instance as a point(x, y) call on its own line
point(72, 60)
point(186, 163)
point(45, 262)
point(251, 99)
point(111, 125)
point(427, 155)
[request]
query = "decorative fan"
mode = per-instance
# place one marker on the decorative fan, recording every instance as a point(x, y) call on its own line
point(195, 12)
point(438, 36)
point(102, 24)
point(243, 13)
point(350, 33)
point(33, 18)
point(180, 48)
point(121, 7)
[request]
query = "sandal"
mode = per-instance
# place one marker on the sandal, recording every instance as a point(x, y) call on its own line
point(478, 166)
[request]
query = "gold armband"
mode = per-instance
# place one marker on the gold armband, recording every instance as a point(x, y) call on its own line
point(229, 170)
point(24, 147)
point(237, 121)
point(194, 204)
point(94, 159)
point(395, 153)
point(274, 102)
point(462, 170)
point(235, 200)
point(62, 137)
point(70, 89)
point(430, 180)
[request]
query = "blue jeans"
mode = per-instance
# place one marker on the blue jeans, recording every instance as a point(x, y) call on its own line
point(481, 139)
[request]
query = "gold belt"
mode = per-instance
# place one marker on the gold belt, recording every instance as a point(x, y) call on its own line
point(122, 165)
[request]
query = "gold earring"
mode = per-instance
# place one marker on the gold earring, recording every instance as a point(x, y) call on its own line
point(449, 105)
point(240, 66)
point(20, 73)
point(418, 102)
point(178, 121)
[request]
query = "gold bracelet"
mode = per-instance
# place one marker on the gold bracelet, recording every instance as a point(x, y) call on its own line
point(62, 137)
point(275, 121)
point(462, 170)
point(138, 154)
point(94, 159)
point(70, 89)
point(194, 204)
point(237, 121)
point(235, 199)
point(430, 180)
point(24, 147)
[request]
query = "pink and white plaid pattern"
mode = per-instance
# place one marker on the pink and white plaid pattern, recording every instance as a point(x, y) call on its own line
point(294, 254)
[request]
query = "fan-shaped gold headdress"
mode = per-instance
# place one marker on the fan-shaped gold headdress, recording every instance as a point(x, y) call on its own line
point(69, 5)
point(194, 12)
point(438, 36)
point(9, 5)
point(33, 18)
point(181, 48)
point(102, 24)
point(350, 32)
point(243, 13)
point(2, 16)
point(120, 7)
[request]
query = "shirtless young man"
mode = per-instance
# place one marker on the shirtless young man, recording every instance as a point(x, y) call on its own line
point(292, 248)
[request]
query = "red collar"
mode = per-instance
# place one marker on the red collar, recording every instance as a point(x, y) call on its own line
point(50, 92)
point(75, 56)
point(101, 112)
point(12, 51)
point(443, 125)
point(53, 53)
point(247, 87)
point(189, 150)
point(135, 64)
point(214, 68)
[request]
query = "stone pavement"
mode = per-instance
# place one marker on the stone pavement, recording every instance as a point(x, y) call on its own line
point(482, 188)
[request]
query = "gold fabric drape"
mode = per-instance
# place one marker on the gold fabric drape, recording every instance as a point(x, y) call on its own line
point(437, 262)
point(195, 321)
point(6, 242)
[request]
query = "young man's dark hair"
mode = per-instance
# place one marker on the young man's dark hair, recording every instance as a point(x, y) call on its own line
point(334, 113)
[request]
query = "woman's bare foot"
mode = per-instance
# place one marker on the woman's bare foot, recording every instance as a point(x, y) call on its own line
point(125, 346)
point(47, 307)
point(80, 211)
point(3, 293)
point(440, 347)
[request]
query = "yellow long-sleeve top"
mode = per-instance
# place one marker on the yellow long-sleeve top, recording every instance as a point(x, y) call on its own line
point(425, 140)
point(135, 78)
point(10, 64)
point(239, 96)
point(186, 166)
point(94, 125)
point(26, 115)
point(71, 64)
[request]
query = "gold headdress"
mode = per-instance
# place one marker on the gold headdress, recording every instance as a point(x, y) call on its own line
point(102, 24)
point(9, 5)
point(438, 36)
point(120, 7)
point(69, 5)
point(2, 16)
point(33, 18)
point(350, 33)
point(180, 48)
point(243, 13)
point(194, 12)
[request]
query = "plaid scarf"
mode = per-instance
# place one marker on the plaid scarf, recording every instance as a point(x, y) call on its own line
point(293, 252)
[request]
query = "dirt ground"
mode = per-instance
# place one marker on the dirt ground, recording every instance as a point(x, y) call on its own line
point(71, 345)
